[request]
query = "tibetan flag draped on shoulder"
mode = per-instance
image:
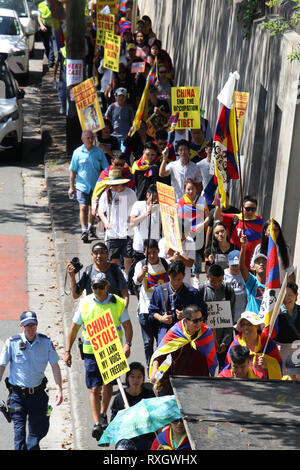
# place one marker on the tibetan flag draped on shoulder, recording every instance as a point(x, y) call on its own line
point(177, 337)
point(142, 111)
point(225, 139)
point(273, 295)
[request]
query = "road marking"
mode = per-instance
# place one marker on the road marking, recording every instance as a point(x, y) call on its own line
point(13, 281)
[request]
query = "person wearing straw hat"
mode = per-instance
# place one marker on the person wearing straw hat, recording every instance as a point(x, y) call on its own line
point(114, 210)
point(253, 334)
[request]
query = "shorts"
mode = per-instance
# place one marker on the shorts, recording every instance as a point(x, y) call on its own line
point(118, 247)
point(93, 377)
point(83, 199)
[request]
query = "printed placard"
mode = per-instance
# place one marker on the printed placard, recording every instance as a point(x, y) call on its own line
point(186, 102)
point(112, 52)
point(241, 102)
point(105, 23)
point(169, 217)
point(138, 67)
point(87, 105)
point(107, 347)
point(219, 314)
point(74, 71)
point(112, 4)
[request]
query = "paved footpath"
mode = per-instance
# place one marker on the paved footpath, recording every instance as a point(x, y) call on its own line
point(67, 244)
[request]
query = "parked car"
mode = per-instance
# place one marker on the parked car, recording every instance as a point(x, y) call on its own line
point(13, 42)
point(28, 18)
point(11, 112)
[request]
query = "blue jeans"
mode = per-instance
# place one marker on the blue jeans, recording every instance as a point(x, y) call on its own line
point(34, 409)
point(148, 334)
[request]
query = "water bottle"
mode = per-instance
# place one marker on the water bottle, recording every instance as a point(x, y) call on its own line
point(49, 410)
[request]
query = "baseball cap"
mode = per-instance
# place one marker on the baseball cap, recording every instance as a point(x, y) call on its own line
point(255, 257)
point(99, 278)
point(121, 91)
point(28, 317)
point(131, 46)
point(252, 318)
point(292, 367)
point(233, 257)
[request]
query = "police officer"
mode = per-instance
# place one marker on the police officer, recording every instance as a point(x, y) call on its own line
point(28, 354)
point(91, 307)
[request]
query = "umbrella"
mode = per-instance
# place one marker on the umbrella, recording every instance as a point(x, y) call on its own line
point(146, 416)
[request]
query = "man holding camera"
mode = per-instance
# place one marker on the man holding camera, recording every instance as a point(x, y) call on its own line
point(89, 308)
point(117, 282)
point(28, 354)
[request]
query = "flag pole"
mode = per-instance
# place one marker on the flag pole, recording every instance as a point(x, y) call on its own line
point(240, 172)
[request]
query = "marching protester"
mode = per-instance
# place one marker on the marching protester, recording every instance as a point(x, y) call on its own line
point(86, 164)
point(233, 277)
point(28, 354)
point(239, 366)
point(90, 307)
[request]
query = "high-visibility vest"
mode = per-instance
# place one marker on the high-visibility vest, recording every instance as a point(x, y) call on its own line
point(91, 309)
point(46, 14)
point(63, 50)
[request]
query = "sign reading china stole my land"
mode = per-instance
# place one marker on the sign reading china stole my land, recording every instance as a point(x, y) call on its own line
point(169, 217)
point(87, 105)
point(107, 347)
point(186, 102)
point(105, 23)
point(112, 52)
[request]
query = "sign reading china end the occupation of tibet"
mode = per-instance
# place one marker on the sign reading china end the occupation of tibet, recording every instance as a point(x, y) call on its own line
point(219, 314)
point(186, 102)
point(107, 347)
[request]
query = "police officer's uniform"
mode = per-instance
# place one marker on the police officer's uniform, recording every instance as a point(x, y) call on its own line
point(26, 383)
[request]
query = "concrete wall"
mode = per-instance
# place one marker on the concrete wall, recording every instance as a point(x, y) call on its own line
point(206, 43)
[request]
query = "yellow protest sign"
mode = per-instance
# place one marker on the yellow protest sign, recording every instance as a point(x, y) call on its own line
point(186, 102)
point(112, 4)
point(105, 23)
point(107, 347)
point(112, 52)
point(87, 105)
point(169, 218)
point(241, 102)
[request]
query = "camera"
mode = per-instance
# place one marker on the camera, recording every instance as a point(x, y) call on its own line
point(76, 263)
point(5, 410)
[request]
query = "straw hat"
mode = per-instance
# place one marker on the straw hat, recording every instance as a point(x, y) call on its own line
point(115, 177)
point(251, 317)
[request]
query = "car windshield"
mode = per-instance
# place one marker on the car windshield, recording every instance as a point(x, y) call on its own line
point(9, 26)
point(6, 86)
point(18, 5)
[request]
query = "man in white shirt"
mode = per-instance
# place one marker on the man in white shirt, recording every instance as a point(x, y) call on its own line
point(204, 166)
point(180, 170)
point(114, 210)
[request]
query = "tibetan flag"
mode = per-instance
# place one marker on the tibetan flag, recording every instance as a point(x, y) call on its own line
point(177, 337)
point(165, 440)
point(143, 165)
point(101, 185)
point(153, 279)
point(142, 111)
point(173, 121)
point(210, 190)
point(192, 213)
point(217, 199)
point(124, 26)
point(153, 74)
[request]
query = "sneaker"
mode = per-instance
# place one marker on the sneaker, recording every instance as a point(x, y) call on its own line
point(103, 421)
point(84, 237)
point(92, 232)
point(97, 431)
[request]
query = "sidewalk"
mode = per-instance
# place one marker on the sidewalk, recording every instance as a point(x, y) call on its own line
point(66, 236)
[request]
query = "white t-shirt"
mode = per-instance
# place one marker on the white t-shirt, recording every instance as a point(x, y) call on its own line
point(147, 291)
point(188, 247)
point(204, 167)
point(180, 173)
point(118, 212)
point(141, 230)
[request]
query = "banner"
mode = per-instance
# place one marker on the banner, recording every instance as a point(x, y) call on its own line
point(219, 314)
point(168, 211)
point(107, 347)
point(87, 105)
point(112, 4)
point(112, 52)
point(105, 23)
point(241, 102)
point(186, 102)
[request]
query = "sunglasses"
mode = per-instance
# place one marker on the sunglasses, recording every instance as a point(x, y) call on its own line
point(119, 164)
point(99, 286)
point(195, 320)
point(250, 209)
point(162, 71)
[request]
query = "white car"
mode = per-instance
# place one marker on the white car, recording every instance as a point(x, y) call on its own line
point(13, 42)
point(27, 17)
point(11, 112)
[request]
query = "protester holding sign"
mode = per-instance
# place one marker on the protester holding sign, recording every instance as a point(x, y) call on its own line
point(213, 291)
point(91, 307)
